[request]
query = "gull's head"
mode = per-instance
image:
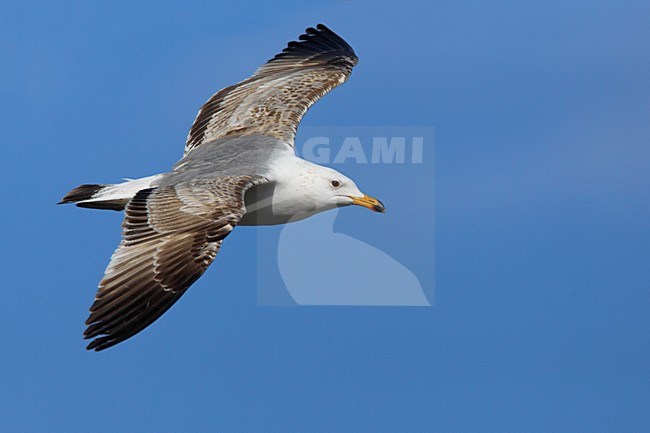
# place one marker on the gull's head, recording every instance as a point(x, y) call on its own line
point(336, 190)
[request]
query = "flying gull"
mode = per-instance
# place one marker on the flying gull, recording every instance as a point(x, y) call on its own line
point(239, 168)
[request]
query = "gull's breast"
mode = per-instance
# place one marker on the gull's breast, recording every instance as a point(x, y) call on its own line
point(285, 198)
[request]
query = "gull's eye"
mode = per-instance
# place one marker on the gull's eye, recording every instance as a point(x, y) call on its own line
point(336, 183)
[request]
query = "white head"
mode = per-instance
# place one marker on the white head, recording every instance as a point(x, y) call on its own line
point(326, 188)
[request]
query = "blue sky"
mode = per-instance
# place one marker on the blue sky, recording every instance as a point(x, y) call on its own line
point(540, 319)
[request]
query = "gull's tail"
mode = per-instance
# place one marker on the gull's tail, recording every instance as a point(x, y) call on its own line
point(112, 196)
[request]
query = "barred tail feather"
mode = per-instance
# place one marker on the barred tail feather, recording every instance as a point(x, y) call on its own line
point(111, 196)
point(81, 193)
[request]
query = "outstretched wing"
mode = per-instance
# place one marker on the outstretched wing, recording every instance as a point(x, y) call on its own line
point(273, 101)
point(170, 236)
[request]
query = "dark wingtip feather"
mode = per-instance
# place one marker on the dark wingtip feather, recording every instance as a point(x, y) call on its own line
point(100, 344)
point(323, 43)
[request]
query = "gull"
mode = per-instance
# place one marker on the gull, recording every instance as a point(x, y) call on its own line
point(239, 168)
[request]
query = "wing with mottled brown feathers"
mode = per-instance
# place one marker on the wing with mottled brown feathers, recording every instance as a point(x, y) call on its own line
point(273, 101)
point(170, 236)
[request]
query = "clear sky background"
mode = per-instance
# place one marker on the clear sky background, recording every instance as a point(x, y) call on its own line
point(542, 248)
